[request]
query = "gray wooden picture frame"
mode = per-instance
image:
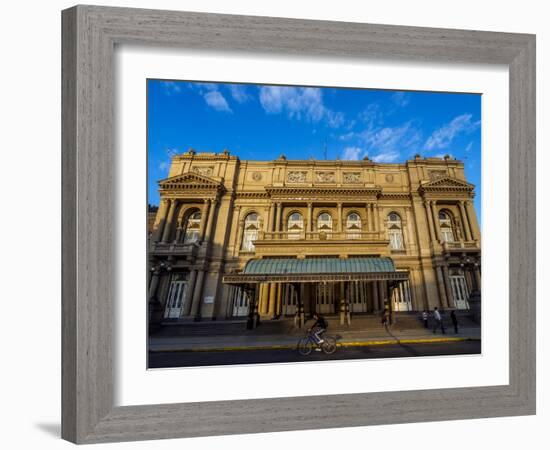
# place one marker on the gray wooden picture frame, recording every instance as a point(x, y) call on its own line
point(90, 34)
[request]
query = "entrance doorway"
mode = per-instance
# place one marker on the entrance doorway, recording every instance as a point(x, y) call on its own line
point(176, 299)
point(240, 302)
point(290, 299)
point(459, 289)
point(324, 298)
point(401, 297)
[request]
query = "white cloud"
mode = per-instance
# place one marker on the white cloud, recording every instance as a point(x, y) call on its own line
point(171, 87)
point(299, 103)
point(352, 153)
point(217, 101)
point(239, 93)
point(390, 142)
point(468, 147)
point(386, 157)
point(164, 166)
point(401, 98)
point(444, 136)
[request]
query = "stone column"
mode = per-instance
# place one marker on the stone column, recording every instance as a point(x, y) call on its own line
point(367, 217)
point(471, 218)
point(169, 220)
point(446, 280)
point(212, 213)
point(272, 300)
point(376, 218)
point(279, 214)
point(427, 206)
point(195, 307)
point(465, 224)
point(436, 221)
point(154, 284)
point(340, 218)
point(441, 286)
point(204, 219)
point(262, 303)
point(161, 219)
point(310, 217)
point(382, 295)
point(375, 301)
point(189, 292)
point(477, 277)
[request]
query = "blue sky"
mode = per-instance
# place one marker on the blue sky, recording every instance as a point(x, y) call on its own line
point(262, 121)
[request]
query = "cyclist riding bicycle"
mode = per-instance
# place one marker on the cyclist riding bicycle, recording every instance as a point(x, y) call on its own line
point(318, 328)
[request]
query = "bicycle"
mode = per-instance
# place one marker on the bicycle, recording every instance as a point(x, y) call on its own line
point(306, 344)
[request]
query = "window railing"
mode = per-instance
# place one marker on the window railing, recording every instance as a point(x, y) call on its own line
point(459, 245)
point(184, 248)
point(321, 235)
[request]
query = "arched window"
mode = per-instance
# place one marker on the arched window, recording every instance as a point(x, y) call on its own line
point(250, 233)
point(395, 231)
point(192, 227)
point(353, 226)
point(295, 225)
point(324, 224)
point(446, 226)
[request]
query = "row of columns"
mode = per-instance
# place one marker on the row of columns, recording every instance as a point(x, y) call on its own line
point(167, 212)
point(270, 297)
point(465, 217)
point(371, 213)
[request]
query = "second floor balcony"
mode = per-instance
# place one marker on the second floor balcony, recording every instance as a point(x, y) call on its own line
point(320, 243)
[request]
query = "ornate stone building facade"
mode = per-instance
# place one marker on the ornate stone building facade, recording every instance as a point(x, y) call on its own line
point(217, 213)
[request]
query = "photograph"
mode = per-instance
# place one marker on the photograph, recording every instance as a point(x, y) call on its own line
point(295, 224)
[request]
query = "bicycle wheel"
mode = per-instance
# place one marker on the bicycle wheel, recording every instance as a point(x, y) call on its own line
point(329, 346)
point(305, 346)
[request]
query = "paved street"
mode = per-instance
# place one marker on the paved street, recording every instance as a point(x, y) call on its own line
point(181, 359)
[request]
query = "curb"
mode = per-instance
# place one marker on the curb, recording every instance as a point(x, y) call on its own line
point(339, 344)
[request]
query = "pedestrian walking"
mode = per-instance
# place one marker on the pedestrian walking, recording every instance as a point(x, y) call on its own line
point(438, 321)
point(454, 320)
point(425, 318)
point(385, 318)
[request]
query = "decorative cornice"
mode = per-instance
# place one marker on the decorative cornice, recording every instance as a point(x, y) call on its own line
point(322, 190)
point(190, 182)
point(446, 184)
point(395, 196)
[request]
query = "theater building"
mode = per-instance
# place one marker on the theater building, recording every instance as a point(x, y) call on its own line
point(275, 239)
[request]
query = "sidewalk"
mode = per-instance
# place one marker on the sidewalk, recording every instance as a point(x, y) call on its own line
point(250, 341)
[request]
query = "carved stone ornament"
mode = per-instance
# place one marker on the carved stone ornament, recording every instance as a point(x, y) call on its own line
point(437, 174)
point(325, 177)
point(256, 176)
point(352, 177)
point(389, 178)
point(205, 171)
point(296, 177)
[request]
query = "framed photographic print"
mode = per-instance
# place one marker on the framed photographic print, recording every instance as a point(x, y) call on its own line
point(254, 206)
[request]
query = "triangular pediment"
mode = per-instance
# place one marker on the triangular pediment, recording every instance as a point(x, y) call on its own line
point(189, 181)
point(447, 183)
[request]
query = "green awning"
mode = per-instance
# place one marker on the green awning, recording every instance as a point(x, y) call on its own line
point(311, 270)
point(283, 266)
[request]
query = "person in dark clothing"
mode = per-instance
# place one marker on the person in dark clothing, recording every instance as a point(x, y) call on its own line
point(425, 318)
point(318, 328)
point(385, 318)
point(454, 320)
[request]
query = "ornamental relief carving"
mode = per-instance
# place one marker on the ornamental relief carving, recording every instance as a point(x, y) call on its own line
point(437, 174)
point(205, 171)
point(296, 177)
point(325, 177)
point(352, 177)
